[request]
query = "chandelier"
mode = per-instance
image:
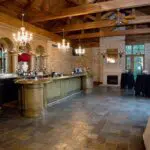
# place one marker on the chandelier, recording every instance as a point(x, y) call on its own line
point(22, 37)
point(64, 45)
point(80, 51)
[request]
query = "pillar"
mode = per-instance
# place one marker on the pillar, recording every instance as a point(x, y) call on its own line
point(14, 63)
point(31, 100)
point(32, 62)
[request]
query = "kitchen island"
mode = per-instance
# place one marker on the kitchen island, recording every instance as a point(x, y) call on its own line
point(35, 95)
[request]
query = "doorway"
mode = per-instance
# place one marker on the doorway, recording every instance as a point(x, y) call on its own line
point(135, 58)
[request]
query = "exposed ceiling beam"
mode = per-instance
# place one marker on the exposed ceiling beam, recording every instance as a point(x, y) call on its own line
point(92, 8)
point(1, 1)
point(109, 33)
point(93, 18)
point(17, 23)
point(106, 15)
point(100, 24)
point(29, 5)
point(73, 2)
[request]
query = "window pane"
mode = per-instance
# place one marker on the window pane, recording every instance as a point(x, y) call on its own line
point(138, 49)
point(141, 46)
point(138, 65)
point(128, 49)
point(135, 49)
point(128, 62)
point(141, 49)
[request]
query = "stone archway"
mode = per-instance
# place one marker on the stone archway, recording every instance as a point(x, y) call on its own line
point(40, 50)
point(25, 49)
point(5, 58)
point(7, 43)
point(41, 59)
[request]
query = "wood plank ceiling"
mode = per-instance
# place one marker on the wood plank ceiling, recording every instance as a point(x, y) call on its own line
point(85, 19)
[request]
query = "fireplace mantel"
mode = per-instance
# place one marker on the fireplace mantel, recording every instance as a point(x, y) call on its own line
point(113, 73)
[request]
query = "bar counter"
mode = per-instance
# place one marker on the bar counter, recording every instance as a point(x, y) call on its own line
point(35, 95)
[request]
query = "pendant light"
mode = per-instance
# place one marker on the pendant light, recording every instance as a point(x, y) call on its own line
point(22, 37)
point(64, 45)
point(80, 51)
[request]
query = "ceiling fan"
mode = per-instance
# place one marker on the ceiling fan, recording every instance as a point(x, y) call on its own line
point(125, 17)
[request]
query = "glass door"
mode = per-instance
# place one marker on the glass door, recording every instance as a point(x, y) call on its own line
point(128, 63)
point(138, 65)
point(135, 58)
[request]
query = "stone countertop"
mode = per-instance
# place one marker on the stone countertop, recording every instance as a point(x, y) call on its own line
point(33, 81)
point(69, 76)
point(45, 80)
point(8, 76)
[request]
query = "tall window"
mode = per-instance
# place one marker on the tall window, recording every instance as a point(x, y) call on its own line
point(135, 58)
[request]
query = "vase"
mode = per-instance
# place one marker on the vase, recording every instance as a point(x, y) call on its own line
point(25, 66)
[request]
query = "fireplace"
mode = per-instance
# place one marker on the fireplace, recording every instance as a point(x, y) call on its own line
point(112, 79)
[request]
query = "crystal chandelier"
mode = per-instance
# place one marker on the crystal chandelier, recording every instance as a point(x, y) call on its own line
point(80, 51)
point(22, 37)
point(64, 45)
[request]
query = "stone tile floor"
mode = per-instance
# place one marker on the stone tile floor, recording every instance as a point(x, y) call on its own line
point(107, 119)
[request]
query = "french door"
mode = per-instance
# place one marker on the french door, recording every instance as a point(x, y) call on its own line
point(135, 63)
point(135, 59)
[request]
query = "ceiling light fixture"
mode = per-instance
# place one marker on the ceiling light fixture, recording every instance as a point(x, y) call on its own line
point(22, 37)
point(80, 51)
point(64, 46)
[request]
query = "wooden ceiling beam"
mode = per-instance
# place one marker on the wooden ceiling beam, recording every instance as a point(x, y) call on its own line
point(29, 5)
point(100, 24)
point(109, 33)
point(17, 23)
point(91, 8)
point(93, 18)
point(1, 1)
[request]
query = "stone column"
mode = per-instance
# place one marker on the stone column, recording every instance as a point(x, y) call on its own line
point(32, 100)
point(14, 62)
point(32, 62)
point(45, 58)
point(87, 83)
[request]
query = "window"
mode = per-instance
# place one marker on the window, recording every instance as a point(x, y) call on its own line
point(135, 49)
point(135, 58)
point(129, 49)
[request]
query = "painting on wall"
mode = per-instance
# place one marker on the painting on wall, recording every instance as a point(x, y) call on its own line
point(112, 56)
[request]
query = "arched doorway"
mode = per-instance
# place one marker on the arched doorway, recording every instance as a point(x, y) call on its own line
point(40, 58)
point(6, 46)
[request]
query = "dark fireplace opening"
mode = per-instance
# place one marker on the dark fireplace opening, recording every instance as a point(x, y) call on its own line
point(112, 79)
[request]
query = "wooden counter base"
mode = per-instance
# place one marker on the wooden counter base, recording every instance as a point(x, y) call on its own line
point(34, 95)
point(31, 97)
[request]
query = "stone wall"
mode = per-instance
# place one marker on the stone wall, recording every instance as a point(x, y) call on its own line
point(117, 42)
point(56, 59)
point(65, 62)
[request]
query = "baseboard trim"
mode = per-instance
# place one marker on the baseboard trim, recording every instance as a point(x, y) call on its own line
point(64, 99)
